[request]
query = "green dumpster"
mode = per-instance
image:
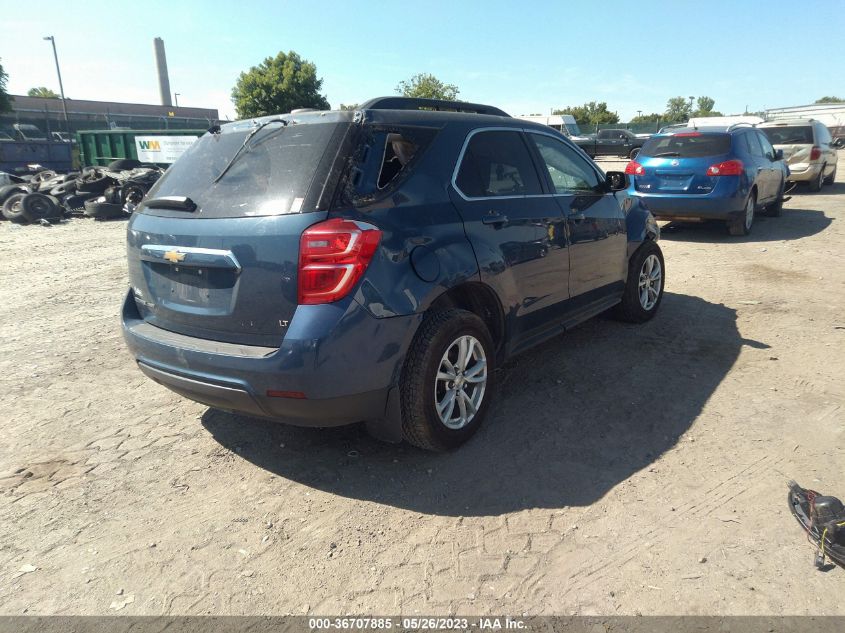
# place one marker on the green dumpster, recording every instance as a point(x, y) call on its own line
point(100, 147)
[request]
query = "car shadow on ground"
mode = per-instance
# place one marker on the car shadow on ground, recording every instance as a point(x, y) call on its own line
point(794, 224)
point(570, 420)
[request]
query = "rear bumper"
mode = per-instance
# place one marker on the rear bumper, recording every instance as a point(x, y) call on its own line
point(804, 172)
point(340, 358)
point(691, 206)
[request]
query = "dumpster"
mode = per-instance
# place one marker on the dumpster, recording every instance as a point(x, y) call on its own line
point(100, 147)
point(16, 155)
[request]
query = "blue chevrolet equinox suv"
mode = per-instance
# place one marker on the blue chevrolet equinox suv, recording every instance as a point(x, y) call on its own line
point(710, 173)
point(325, 268)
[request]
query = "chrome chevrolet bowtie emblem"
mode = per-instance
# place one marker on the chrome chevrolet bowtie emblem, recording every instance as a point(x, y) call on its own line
point(174, 256)
point(675, 163)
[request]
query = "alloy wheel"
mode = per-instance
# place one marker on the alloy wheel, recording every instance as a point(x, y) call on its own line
point(461, 382)
point(651, 282)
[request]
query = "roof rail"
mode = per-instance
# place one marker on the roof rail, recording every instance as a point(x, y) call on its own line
point(740, 124)
point(411, 103)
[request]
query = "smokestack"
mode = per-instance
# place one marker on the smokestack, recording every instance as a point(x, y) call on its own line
point(161, 67)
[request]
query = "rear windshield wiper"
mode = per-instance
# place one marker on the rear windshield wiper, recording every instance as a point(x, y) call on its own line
point(661, 154)
point(177, 203)
point(252, 133)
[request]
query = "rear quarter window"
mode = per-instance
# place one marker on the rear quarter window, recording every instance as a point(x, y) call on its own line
point(682, 146)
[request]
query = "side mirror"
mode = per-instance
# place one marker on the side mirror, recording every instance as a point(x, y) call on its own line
point(778, 154)
point(616, 180)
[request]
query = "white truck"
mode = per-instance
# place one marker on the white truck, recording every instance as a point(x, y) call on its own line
point(831, 114)
point(564, 123)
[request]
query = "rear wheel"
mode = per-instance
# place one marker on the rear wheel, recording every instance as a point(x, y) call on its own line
point(644, 286)
point(817, 182)
point(445, 386)
point(832, 178)
point(741, 224)
point(774, 209)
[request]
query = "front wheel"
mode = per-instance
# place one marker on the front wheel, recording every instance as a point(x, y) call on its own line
point(775, 209)
point(634, 153)
point(446, 382)
point(644, 286)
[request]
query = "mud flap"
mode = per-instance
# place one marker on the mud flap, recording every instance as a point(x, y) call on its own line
point(388, 428)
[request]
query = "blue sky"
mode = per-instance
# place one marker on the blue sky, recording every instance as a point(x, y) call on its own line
point(525, 57)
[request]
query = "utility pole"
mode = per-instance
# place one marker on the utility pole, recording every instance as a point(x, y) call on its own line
point(61, 87)
point(176, 98)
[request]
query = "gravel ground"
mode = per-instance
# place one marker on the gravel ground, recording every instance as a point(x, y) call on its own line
point(623, 469)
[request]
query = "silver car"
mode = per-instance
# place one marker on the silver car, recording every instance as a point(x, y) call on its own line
point(808, 149)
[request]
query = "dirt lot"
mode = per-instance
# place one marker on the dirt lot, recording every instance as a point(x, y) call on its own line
point(624, 469)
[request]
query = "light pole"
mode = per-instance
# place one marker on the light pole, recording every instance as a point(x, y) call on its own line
point(176, 98)
point(61, 87)
point(639, 113)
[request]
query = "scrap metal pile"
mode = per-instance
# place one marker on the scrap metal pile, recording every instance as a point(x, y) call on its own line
point(99, 192)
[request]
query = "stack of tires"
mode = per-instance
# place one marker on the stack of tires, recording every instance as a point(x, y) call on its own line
point(99, 192)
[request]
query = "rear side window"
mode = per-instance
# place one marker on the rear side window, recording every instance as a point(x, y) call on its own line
point(687, 146)
point(789, 134)
point(385, 156)
point(497, 163)
point(271, 176)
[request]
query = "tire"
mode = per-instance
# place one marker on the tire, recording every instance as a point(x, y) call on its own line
point(103, 210)
point(832, 178)
point(95, 181)
point(643, 292)
point(438, 338)
point(75, 202)
point(123, 164)
point(12, 209)
point(741, 224)
point(775, 209)
point(44, 176)
point(634, 153)
point(816, 184)
point(64, 189)
point(131, 195)
point(10, 190)
point(38, 206)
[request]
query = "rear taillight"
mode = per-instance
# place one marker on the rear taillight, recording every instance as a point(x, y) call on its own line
point(726, 168)
point(332, 257)
point(815, 153)
point(634, 169)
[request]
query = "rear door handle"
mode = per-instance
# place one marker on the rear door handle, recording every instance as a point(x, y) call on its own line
point(494, 218)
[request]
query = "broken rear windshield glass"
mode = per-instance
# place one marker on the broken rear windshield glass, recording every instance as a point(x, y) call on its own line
point(789, 135)
point(687, 146)
point(271, 176)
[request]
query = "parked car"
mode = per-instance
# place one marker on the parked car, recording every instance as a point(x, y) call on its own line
point(612, 143)
point(808, 149)
point(327, 268)
point(710, 173)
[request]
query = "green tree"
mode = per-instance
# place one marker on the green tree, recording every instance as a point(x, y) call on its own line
point(654, 117)
point(427, 86)
point(678, 109)
point(705, 107)
point(591, 113)
point(830, 100)
point(42, 92)
point(278, 84)
point(5, 101)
